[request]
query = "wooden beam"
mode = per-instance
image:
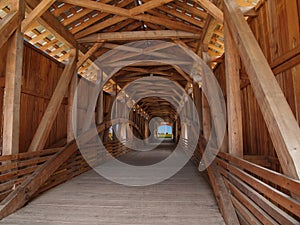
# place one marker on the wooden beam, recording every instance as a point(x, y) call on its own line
point(207, 122)
point(198, 103)
point(138, 35)
point(72, 114)
point(51, 23)
point(175, 14)
point(234, 108)
point(100, 109)
point(88, 54)
point(24, 192)
point(99, 6)
point(217, 182)
point(281, 123)
point(4, 3)
point(136, 13)
point(13, 81)
point(163, 20)
point(183, 74)
point(212, 9)
point(97, 18)
point(8, 25)
point(148, 6)
point(45, 126)
point(36, 13)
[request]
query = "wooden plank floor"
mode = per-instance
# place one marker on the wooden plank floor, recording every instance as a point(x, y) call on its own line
point(185, 198)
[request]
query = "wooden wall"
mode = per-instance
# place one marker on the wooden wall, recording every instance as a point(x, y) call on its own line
point(277, 30)
point(40, 76)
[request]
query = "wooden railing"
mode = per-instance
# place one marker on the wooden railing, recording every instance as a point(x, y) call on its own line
point(16, 168)
point(25, 175)
point(259, 195)
point(77, 164)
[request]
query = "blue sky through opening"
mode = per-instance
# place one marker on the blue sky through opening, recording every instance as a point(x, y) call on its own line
point(165, 129)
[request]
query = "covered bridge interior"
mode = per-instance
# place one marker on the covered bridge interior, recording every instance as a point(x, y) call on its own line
point(150, 112)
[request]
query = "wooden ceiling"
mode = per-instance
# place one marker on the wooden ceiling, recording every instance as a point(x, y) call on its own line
point(96, 27)
point(84, 17)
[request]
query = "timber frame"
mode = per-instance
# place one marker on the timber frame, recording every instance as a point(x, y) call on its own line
point(77, 32)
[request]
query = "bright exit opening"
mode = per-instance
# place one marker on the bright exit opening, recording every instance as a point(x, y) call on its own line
point(164, 131)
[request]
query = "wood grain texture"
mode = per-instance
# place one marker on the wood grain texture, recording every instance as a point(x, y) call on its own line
point(278, 51)
point(40, 74)
point(281, 123)
point(90, 199)
point(44, 128)
point(233, 93)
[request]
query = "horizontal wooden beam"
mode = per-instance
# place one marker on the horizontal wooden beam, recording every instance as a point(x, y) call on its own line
point(88, 54)
point(137, 13)
point(24, 192)
point(286, 61)
point(281, 123)
point(7, 26)
point(138, 35)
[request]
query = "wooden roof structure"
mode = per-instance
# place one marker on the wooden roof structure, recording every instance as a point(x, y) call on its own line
point(79, 20)
point(255, 177)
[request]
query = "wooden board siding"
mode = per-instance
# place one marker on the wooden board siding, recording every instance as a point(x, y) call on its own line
point(40, 76)
point(277, 31)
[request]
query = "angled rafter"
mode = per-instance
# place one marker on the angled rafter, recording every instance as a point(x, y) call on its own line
point(137, 14)
point(88, 54)
point(281, 123)
point(4, 3)
point(147, 6)
point(212, 9)
point(182, 16)
point(7, 26)
point(164, 20)
point(93, 18)
point(36, 13)
point(193, 10)
point(99, 6)
point(50, 22)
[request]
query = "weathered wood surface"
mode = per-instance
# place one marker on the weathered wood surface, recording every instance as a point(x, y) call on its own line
point(282, 51)
point(234, 111)
point(19, 195)
point(40, 74)
point(44, 128)
point(13, 81)
point(268, 195)
point(90, 199)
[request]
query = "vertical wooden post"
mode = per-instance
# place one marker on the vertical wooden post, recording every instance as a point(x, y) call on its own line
point(205, 106)
point(45, 126)
point(99, 115)
point(198, 103)
point(234, 109)
point(72, 103)
point(13, 82)
point(281, 123)
point(146, 129)
point(176, 130)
